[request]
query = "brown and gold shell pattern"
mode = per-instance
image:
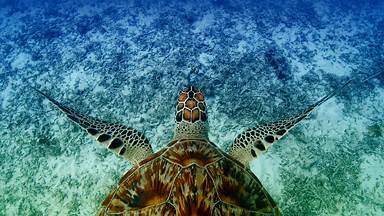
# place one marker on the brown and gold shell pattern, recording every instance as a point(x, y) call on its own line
point(189, 178)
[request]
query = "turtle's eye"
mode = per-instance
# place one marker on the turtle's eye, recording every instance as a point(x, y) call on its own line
point(191, 106)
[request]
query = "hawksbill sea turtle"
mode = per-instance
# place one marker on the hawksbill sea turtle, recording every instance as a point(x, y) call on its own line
point(191, 175)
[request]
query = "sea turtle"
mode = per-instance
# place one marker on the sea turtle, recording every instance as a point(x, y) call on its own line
point(191, 175)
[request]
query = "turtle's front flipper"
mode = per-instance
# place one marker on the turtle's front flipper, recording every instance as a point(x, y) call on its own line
point(254, 141)
point(123, 141)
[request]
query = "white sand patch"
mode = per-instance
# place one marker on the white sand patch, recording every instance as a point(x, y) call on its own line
point(87, 10)
point(81, 79)
point(334, 66)
point(282, 35)
point(379, 99)
point(322, 10)
point(300, 68)
point(8, 93)
point(42, 80)
point(21, 60)
point(68, 166)
point(126, 23)
point(108, 42)
point(329, 58)
point(132, 45)
point(99, 88)
point(91, 57)
point(328, 55)
point(133, 30)
point(68, 54)
point(222, 129)
point(126, 90)
point(247, 30)
point(158, 136)
point(267, 169)
point(205, 59)
point(13, 24)
point(242, 47)
point(12, 208)
point(205, 22)
point(367, 209)
point(241, 28)
point(83, 168)
point(373, 106)
point(372, 178)
point(146, 20)
point(331, 122)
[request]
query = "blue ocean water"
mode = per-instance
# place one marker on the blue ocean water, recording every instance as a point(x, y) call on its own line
point(125, 61)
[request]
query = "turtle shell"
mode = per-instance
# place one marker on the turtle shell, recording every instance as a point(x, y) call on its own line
point(187, 178)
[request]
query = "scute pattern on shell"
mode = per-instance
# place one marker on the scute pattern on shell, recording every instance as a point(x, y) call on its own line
point(187, 178)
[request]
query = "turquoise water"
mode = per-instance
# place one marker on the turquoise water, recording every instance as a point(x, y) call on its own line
point(126, 62)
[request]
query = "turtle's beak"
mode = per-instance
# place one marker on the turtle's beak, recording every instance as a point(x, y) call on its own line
point(191, 106)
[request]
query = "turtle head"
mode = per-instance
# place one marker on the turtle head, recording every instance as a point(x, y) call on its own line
point(191, 114)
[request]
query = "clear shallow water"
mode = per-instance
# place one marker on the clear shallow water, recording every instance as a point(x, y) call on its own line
point(126, 62)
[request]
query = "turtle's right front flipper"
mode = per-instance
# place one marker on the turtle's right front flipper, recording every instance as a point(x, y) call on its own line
point(123, 141)
point(253, 142)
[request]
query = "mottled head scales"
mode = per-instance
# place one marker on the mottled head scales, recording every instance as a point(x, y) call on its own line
point(191, 114)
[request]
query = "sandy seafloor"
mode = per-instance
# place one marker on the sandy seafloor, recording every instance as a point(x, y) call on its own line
point(125, 62)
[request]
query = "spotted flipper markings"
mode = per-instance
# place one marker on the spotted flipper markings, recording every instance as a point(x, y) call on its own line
point(253, 142)
point(122, 140)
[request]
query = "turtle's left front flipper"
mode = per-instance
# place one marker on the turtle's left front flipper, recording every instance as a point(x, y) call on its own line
point(123, 141)
point(251, 143)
